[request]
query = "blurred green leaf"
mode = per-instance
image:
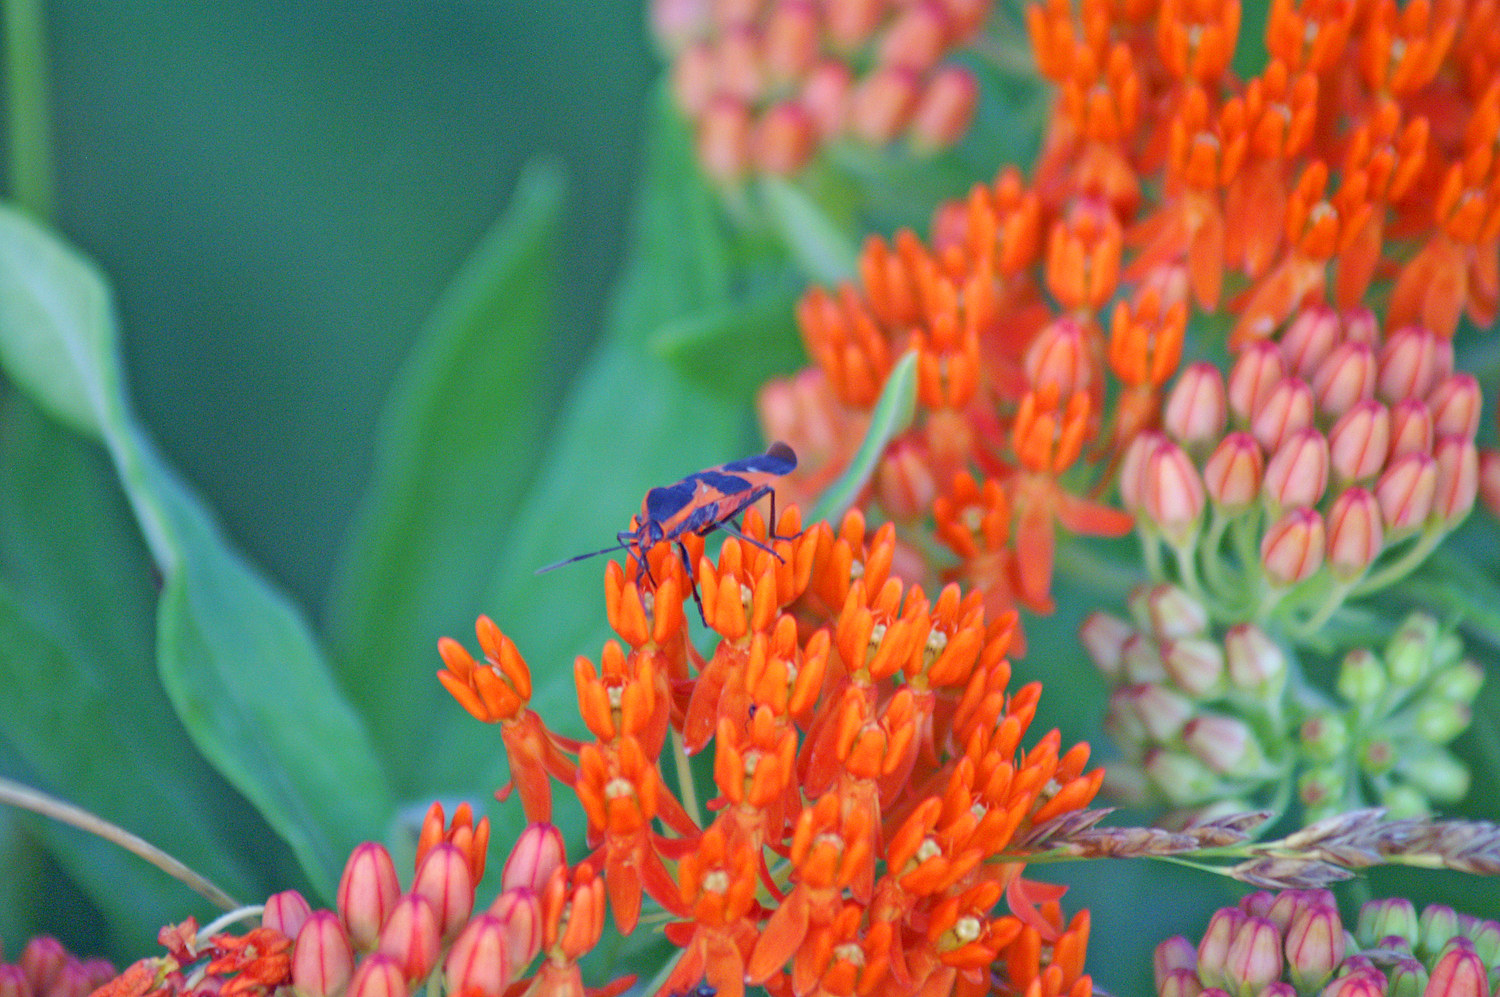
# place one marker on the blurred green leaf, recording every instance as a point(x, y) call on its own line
point(458, 441)
point(736, 347)
point(235, 657)
point(892, 416)
point(824, 251)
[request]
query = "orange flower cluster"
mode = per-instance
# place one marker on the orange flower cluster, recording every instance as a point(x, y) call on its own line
point(767, 82)
point(1364, 156)
point(872, 798)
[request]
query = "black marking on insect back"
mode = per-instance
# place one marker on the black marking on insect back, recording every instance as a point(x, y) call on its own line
point(778, 460)
point(725, 484)
point(667, 501)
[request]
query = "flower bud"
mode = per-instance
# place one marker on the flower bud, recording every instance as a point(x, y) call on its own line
point(1320, 789)
point(1408, 656)
point(1345, 379)
point(1314, 946)
point(537, 852)
point(1485, 934)
point(1142, 660)
point(1360, 325)
point(444, 879)
point(1288, 905)
point(1355, 534)
point(784, 140)
point(1364, 983)
point(1457, 479)
point(1172, 613)
point(1179, 983)
point(791, 41)
point(1377, 756)
point(1173, 498)
point(1436, 773)
point(286, 911)
point(521, 913)
point(1297, 472)
point(1103, 636)
point(378, 976)
point(1381, 918)
point(1309, 338)
point(916, 38)
point(827, 94)
point(1293, 547)
point(1408, 978)
point(1259, 904)
point(1195, 665)
point(13, 982)
point(1133, 469)
point(1257, 370)
point(1408, 364)
point(1324, 736)
point(368, 891)
point(1213, 950)
point(1058, 360)
point(1460, 683)
point(1224, 744)
point(1160, 711)
point(945, 109)
point(723, 140)
point(42, 960)
point(883, 104)
point(1405, 492)
point(1459, 972)
point(1402, 801)
point(1173, 954)
point(1254, 958)
point(477, 962)
point(1233, 473)
point(1411, 428)
point(1455, 404)
point(1256, 662)
point(1359, 442)
point(410, 937)
point(1361, 677)
point(1197, 406)
point(323, 959)
point(1436, 924)
point(1489, 480)
point(1287, 409)
point(1182, 779)
point(1439, 721)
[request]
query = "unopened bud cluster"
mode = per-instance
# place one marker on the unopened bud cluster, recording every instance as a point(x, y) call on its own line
point(1206, 716)
point(766, 83)
point(1294, 943)
point(45, 968)
point(1328, 464)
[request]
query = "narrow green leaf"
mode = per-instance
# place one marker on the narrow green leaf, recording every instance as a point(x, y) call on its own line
point(734, 348)
point(826, 253)
point(458, 440)
point(893, 415)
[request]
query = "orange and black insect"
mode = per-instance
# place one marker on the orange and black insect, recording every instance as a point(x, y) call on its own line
point(700, 504)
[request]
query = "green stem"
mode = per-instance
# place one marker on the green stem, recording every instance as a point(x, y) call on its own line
point(28, 125)
point(1403, 565)
point(686, 791)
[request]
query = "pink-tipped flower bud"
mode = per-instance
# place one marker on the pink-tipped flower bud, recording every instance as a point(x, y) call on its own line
point(852, 26)
point(1360, 983)
point(13, 982)
point(1355, 534)
point(1411, 428)
point(1406, 491)
point(286, 911)
point(1314, 946)
point(883, 103)
point(1287, 409)
point(723, 142)
point(1058, 360)
point(741, 68)
point(72, 981)
point(1485, 934)
point(1457, 479)
point(1459, 972)
point(1142, 660)
point(1259, 904)
point(1311, 336)
point(1293, 547)
point(1256, 372)
point(42, 960)
point(791, 42)
point(521, 913)
point(478, 963)
point(944, 110)
point(1195, 665)
point(1233, 474)
point(1288, 905)
point(1489, 480)
point(1361, 326)
point(1173, 954)
point(917, 38)
point(1173, 494)
point(784, 140)
point(1133, 469)
point(1380, 919)
point(1408, 978)
point(378, 975)
point(1161, 711)
point(1254, 957)
point(368, 891)
point(410, 937)
point(444, 879)
point(1225, 744)
point(1182, 982)
point(99, 972)
point(1408, 364)
point(537, 852)
point(1170, 612)
point(1297, 473)
point(1197, 407)
point(1456, 403)
point(827, 94)
point(1103, 636)
point(1435, 926)
point(1344, 379)
point(1359, 442)
point(1213, 950)
point(694, 78)
point(322, 959)
point(1255, 662)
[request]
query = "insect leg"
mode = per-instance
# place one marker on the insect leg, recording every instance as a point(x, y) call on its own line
point(692, 581)
point(771, 529)
point(730, 527)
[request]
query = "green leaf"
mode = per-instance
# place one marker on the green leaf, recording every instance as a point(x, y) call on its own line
point(458, 440)
point(893, 415)
point(824, 251)
point(734, 348)
point(236, 658)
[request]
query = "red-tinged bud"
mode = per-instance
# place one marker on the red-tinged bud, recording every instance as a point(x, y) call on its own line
point(1459, 972)
point(1309, 339)
point(1254, 957)
point(410, 937)
point(1142, 660)
point(1256, 372)
point(1255, 662)
point(1457, 479)
point(945, 109)
point(1406, 491)
point(826, 95)
point(1489, 480)
point(521, 913)
point(1161, 711)
point(1213, 950)
point(724, 139)
point(1234, 473)
point(693, 78)
point(1485, 934)
point(368, 891)
point(1411, 428)
point(444, 879)
point(72, 981)
point(1182, 982)
point(1297, 473)
point(1355, 534)
point(1224, 744)
point(1455, 405)
point(1103, 636)
point(323, 959)
point(1408, 364)
point(1359, 442)
point(1198, 406)
point(1361, 326)
point(904, 481)
point(1314, 946)
point(1133, 469)
point(1279, 988)
point(784, 141)
point(1057, 363)
point(882, 105)
point(378, 976)
point(1288, 905)
point(1380, 919)
point(1361, 983)
point(791, 40)
point(1173, 954)
point(478, 962)
point(741, 71)
point(1408, 978)
point(1287, 409)
point(1170, 612)
point(917, 38)
point(537, 852)
point(42, 961)
point(1173, 499)
point(1293, 547)
point(1435, 926)
point(13, 982)
point(286, 911)
point(1345, 379)
point(1195, 664)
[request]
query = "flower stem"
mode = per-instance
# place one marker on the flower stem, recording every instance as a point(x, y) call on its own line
point(30, 164)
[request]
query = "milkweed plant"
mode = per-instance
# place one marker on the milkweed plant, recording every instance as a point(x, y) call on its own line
point(1131, 356)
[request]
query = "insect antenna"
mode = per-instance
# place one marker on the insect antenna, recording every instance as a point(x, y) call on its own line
point(583, 557)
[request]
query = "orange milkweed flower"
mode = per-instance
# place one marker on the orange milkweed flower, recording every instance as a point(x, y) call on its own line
point(464, 834)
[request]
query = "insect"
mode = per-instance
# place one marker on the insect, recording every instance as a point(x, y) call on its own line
point(700, 504)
